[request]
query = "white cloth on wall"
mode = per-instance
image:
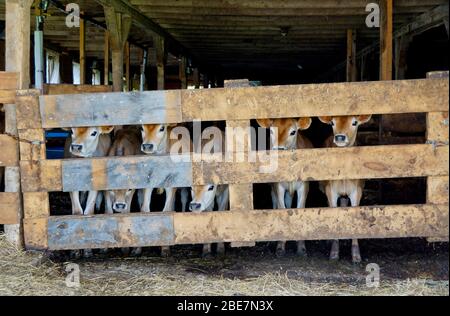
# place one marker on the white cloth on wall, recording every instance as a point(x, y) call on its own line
point(76, 73)
point(53, 75)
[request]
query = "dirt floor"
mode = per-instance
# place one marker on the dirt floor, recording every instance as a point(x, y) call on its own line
point(408, 267)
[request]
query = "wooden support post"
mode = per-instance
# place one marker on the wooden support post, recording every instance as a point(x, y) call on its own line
point(106, 58)
point(196, 78)
point(119, 27)
point(161, 58)
point(182, 72)
point(438, 135)
point(386, 29)
point(17, 57)
point(205, 81)
point(401, 54)
point(241, 195)
point(351, 56)
point(82, 51)
point(127, 67)
point(36, 205)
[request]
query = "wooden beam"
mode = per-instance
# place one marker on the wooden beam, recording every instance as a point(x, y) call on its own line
point(17, 59)
point(82, 51)
point(55, 89)
point(196, 76)
point(106, 59)
point(119, 27)
point(146, 24)
point(386, 29)
point(312, 224)
point(241, 195)
point(158, 107)
point(9, 152)
point(182, 64)
point(351, 56)
point(401, 54)
point(127, 57)
point(374, 162)
point(138, 230)
point(10, 203)
point(161, 60)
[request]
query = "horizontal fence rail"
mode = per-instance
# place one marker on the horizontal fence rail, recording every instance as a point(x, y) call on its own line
point(165, 229)
point(152, 107)
point(138, 172)
point(242, 224)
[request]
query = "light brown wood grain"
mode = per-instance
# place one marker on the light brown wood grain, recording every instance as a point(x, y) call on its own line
point(8, 151)
point(9, 206)
point(313, 224)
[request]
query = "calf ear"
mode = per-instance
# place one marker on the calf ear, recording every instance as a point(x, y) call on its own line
point(106, 129)
point(362, 119)
point(304, 123)
point(266, 123)
point(326, 119)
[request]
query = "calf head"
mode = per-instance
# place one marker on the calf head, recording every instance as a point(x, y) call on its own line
point(155, 138)
point(121, 200)
point(203, 197)
point(286, 137)
point(85, 140)
point(345, 128)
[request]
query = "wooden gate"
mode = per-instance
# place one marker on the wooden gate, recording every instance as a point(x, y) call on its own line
point(242, 224)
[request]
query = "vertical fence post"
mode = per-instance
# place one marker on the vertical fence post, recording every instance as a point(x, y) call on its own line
point(437, 135)
point(36, 205)
point(241, 195)
point(17, 57)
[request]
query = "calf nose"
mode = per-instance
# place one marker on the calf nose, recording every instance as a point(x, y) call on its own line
point(76, 148)
point(147, 147)
point(340, 138)
point(120, 206)
point(195, 206)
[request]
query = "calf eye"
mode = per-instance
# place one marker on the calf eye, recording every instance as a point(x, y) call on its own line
point(355, 123)
point(94, 133)
point(293, 133)
point(332, 123)
point(211, 188)
point(162, 129)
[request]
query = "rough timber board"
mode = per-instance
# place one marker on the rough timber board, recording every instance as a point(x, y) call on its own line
point(104, 109)
point(112, 231)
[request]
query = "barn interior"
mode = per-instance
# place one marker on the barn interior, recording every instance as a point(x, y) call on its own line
point(203, 43)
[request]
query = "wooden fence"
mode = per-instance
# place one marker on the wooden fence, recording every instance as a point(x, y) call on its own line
point(242, 224)
point(9, 154)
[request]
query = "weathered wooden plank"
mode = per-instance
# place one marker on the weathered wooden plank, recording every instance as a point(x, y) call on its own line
point(42, 176)
point(7, 96)
point(103, 109)
point(135, 230)
point(35, 233)
point(55, 89)
point(9, 152)
point(8, 80)
point(406, 96)
point(123, 173)
point(36, 205)
point(437, 127)
point(437, 190)
point(308, 165)
point(32, 145)
point(27, 109)
point(409, 96)
point(374, 162)
point(9, 208)
point(313, 224)
point(241, 195)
